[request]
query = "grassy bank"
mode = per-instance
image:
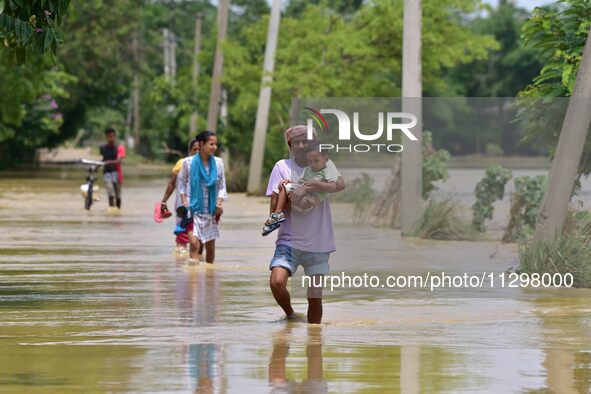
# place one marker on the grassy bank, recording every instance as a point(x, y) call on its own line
point(568, 254)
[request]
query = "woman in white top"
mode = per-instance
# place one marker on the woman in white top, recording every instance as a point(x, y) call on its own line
point(203, 190)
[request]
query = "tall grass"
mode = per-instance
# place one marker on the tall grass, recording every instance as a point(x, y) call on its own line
point(569, 253)
point(441, 220)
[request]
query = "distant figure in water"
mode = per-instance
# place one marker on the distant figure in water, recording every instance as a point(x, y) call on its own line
point(113, 155)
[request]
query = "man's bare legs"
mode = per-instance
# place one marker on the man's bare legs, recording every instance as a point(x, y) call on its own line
point(278, 283)
point(314, 310)
point(315, 300)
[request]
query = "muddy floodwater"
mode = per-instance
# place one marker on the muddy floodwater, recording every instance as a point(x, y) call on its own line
point(91, 302)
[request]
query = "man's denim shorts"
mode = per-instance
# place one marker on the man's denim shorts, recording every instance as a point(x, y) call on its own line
point(314, 263)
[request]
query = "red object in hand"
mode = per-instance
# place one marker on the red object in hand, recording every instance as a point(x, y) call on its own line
point(165, 212)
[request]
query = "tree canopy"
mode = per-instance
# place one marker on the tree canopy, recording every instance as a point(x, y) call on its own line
point(30, 27)
point(326, 48)
point(559, 33)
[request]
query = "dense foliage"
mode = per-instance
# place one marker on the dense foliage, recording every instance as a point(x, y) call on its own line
point(29, 27)
point(31, 116)
point(487, 191)
point(525, 206)
point(434, 165)
point(325, 53)
point(559, 33)
point(326, 48)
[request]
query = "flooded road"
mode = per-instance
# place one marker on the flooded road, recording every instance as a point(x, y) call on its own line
point(91, 302)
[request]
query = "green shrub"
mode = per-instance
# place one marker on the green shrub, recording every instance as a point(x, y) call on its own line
point(434, 164)
point(440, 220)
point(493, 149)
point(570, 253)
point(487, 191)
point(529, 192)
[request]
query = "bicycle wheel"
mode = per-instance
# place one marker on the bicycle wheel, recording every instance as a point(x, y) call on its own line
point(88, 201)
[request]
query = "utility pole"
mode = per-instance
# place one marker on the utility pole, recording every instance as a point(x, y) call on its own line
point(169, 47)
point(165, 47)
point(136, 93)
point(215, 95)
point(172, 55)
point(411, 171)
point(260, 129)
point(569, 151)
point(196, 52)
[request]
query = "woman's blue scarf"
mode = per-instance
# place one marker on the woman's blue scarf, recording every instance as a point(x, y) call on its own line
point(199, 177)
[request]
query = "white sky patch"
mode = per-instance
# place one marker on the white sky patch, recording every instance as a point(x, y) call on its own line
point(528, 4)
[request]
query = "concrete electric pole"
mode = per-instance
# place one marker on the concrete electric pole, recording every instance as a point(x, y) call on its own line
point(262, 120)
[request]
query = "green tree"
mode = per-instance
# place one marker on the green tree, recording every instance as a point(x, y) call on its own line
point(558, 32)
point(30, 116)
point(168, 104)
point(30, 27)
point(506, 71)
point(509, 68)
point(99, 54)
point(323, 53)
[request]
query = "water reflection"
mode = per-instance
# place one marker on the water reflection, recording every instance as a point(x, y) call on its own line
point(198, 294)
point(568, 367)
point(278, 377)
point(198, 301)
point(87, 305)
point(204, 367)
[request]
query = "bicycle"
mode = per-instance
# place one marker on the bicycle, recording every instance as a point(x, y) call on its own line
point(89, 188)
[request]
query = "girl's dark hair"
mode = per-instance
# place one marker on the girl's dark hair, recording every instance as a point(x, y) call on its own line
point(205, 135)
point(109, 130)
point(193, 142)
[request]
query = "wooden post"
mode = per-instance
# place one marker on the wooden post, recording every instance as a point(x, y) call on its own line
point(569, 151)
point(412, 160)
point(196, 52)
point(260, 129)
point(215, 95)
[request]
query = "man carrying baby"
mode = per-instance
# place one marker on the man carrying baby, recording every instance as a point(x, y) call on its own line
point(306, 236)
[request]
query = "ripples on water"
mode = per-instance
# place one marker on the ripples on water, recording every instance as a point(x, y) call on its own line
point(91, 302)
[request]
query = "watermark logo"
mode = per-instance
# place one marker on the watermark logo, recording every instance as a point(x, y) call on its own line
point(317, 118)
point(388, 122)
